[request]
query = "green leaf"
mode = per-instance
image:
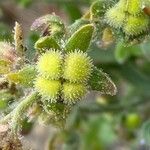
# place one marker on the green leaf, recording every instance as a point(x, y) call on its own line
point(24, 77)
point(100, 81)
point(122, 52)
point(46, 43)
point(80, 39)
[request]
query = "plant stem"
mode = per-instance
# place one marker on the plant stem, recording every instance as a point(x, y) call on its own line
point(20, 109)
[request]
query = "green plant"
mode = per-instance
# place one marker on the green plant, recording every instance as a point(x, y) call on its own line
point(65, 65)
point(62, 72)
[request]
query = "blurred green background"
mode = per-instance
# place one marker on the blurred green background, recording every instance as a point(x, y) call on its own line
point(118, 122)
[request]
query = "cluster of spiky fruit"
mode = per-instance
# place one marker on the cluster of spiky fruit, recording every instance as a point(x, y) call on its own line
point(63, 76)
point(128, 16)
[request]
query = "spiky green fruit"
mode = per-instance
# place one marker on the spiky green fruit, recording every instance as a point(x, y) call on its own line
point(115, 17)
point(49, 89)
point(129, 17)
point(78, 67)
point(136, 25)
point(134, 7)
point(72, 92)
point(50, 64)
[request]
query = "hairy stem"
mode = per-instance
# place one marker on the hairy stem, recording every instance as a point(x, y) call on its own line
point(20, 109)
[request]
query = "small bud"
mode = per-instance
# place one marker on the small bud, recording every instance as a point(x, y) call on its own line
point(72, 92)
point(78, 67)
point(50, 64)
point(49, 89)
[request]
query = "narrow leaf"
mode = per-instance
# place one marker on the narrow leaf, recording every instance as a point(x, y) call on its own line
point(80, 39)
point(100, 81)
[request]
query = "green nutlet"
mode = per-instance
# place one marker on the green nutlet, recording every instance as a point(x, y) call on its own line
point(50, 89)
point(50, 64)
point(72, 92)
point(78, 67)
point(128, 16)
